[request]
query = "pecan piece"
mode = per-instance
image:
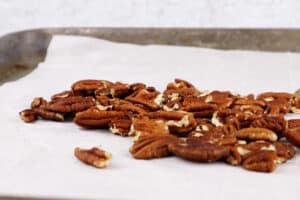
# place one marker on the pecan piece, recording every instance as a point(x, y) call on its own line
point(149, 98)
point(145, 126)
point(152, 146)
point(284, 152)
point(28, 115)
point(94, 118)
point(293, 123)
point(198, 151)
point(262, 161)
point(180, 123)
point(88, 87)
point(275, 123)
point(256, 134)
point(293, 136)
point(70, 104)
point(62, 95)
point(50, 115)
point(95, 157)
point(38, 102)
point(120, 126)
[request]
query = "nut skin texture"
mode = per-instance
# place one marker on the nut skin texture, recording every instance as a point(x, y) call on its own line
point(62, 95)
point(262, 161)
point(173, 119)
point(70, 104)
point(198, 151)
point(152, 146)
point(144, 97)
point(28, 115)
point(94, 118)
point(95, 157)
point(293, 123)
point(256, 134)
point(293, 136)
point(120, 126)
point(49, 115)
point(88, 87)
point(275, 123)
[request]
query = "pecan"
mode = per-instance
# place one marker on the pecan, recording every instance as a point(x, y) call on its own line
point(223, 99)
point(151, 99)
point(213, 136)
point(50, 115)
point(180, 123)
point(263, 161)
point(119, 89)
point(145, 126)
point(198, 151)
point(38, 102)
point(136, 87)
point(293, 123)
point(28, 115)
point(130, 109)
point(70, 104)
point(256, 134)
point(62, 95)
point(284, 152)
point(198, 107)
point(94, 118)
point(275, 123)
point(120, 126)
point(271, 96)
point(88, 87)
point(152, 146)
point(179, 83)
point(95, 157)
point(293, 136)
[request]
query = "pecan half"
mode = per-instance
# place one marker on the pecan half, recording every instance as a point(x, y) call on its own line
point(49, 115)
point(95, 157)
point(293, 136)
point(152, 146)
point(256, 134)
point(120, 126)
point(198, 151)
point(275, 123)
point(70, 104)
point(151, 99)
point(28, 115)
point(94, 118)
point(293, 123)
point(263, 161)
point(62, 95)
point(180, 123)
point(88, 87)
point(145, 126)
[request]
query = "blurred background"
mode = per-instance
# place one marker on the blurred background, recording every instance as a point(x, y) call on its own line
point(26, 14)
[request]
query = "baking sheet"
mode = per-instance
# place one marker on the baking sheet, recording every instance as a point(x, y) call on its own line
point(37, 159)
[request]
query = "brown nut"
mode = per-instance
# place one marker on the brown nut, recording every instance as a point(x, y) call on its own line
point(70, 104)
point(152, 146)
point(262, 161)
point(144, 126)
point(198, 151)
point(275, 123)
point(95, 157)
point(28, 115)
point(88, 87)
point(49, 115)
point(38, 102)
point(256, 134)
point(285, 151)
point(94, 118)
point(213, 136)
point(293, 136)
point(179, 123)
point(293, 123)
point(147, 97)
point(120, 126)
point(62, 95)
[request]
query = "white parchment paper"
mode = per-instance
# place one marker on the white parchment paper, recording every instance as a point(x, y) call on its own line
point(37, 159)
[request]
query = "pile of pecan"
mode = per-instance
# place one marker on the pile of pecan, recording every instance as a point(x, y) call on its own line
point(202, 126)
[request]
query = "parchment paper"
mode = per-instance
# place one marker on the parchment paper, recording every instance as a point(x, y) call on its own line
point(37, 159)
